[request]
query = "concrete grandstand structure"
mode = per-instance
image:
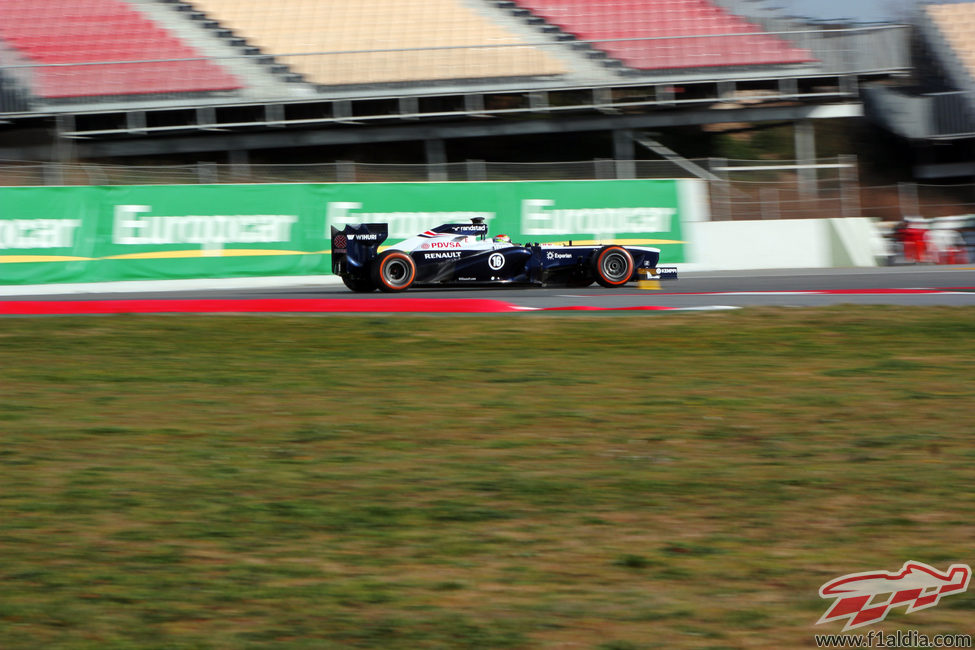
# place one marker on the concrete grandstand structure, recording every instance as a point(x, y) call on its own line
point(936, 111)
point(96, 79)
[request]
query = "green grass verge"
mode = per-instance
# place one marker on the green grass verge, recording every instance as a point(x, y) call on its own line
point(524, 482)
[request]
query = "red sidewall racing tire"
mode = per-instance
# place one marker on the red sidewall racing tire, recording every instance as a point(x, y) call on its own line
point(393, 271)
point(613, 266)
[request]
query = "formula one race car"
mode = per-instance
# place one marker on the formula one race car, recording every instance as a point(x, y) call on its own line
point(457, 254)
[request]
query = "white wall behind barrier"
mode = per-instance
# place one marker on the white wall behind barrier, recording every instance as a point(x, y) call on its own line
point(781, 244)
point(856, 242)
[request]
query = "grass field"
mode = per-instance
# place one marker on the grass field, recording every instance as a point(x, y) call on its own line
point(614, 483)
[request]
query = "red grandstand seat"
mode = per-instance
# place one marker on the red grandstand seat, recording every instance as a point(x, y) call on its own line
point(103, 32)
point(676, 33)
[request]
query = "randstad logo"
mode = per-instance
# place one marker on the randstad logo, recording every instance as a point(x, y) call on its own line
point(865, 598)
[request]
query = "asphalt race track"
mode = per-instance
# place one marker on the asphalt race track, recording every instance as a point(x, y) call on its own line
point(903, 285)
point(891, 285)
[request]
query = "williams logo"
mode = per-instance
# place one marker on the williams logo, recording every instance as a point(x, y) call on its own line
point(865, 598)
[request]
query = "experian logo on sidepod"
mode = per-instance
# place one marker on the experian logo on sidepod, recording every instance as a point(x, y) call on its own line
point(867, 597)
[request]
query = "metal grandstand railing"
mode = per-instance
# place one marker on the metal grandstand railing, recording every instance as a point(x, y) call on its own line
point(937, 115)
point(945, 106)
point(267, 78)
point(13, 173)
point(848, 46)
point(747, 189)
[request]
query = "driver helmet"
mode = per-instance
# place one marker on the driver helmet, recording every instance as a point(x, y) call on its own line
point(502, 239)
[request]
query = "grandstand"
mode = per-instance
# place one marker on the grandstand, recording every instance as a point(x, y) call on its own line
point(681, 34)
point(382, 41)
point(935, 110)
point(103, 48)
point(136, 78)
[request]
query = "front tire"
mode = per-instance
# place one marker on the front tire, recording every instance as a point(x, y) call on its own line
point(393, 271)
point(613, 266)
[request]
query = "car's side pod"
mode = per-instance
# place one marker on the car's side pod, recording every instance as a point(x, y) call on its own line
point(355, 246)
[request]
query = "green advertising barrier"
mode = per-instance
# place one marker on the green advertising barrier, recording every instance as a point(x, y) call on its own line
point(97, 234)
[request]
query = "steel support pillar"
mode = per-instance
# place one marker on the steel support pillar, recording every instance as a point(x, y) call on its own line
point(623, 151)
point(805, 137)
point(436, 159)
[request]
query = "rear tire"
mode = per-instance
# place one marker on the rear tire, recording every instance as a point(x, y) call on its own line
point(393, 271)
point(613, 266)
point(359, 285)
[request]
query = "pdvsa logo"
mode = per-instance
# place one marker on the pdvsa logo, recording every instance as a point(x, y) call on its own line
point(865, 598)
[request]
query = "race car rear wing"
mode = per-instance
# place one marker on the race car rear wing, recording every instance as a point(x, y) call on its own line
point(356, 245)
point(476, 228)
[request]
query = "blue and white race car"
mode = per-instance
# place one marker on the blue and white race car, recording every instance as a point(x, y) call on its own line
point(456, 254)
